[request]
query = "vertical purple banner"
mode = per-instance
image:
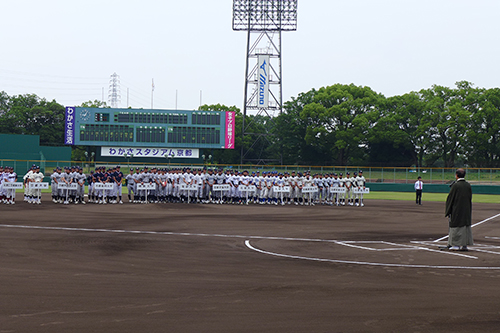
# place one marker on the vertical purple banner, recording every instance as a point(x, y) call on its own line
point(229, 130)
point(69, 126)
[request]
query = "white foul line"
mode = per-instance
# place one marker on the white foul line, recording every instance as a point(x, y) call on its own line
point(472, 226)
point(265, 238)
point(247, 243)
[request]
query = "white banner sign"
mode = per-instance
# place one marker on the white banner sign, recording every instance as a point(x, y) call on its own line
point(337, 189)
point(103, 186)
point(281, 189)
point(12, 186)
point(157, 152)
point(186, 187)
point(144, 187)
point(37, 185)
point(221, 187)
point(247, 188)
point(263, 81)
point(309, 189)
point(64, 186)
point(361, 190)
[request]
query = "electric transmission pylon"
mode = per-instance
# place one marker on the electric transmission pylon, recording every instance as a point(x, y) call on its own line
point(114, 97)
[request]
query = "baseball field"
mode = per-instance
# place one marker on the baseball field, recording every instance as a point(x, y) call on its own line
point(227, 268)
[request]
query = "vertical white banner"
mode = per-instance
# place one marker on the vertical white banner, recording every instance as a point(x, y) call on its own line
point(263, 81)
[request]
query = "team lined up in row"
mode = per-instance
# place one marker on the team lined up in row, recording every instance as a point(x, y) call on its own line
point(185, 185)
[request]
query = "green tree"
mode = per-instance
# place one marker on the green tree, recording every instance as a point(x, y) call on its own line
point(483, 136)
point(29, 114)
point(339, 120)
point(449, 116)
point(94, 104)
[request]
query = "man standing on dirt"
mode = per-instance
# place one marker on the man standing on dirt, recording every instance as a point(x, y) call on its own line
point(459, 213)
point(419, 184)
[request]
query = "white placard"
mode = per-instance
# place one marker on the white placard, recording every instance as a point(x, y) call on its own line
point(337, 189)
point(145, 187)
point(103, 186)
point(12, 186)
point(221, 187)
point(247, 188)
point(281, 189)
point(365, 190)
point(64, 186)
point(186, 187)
point(309, 189)
point(39, 186)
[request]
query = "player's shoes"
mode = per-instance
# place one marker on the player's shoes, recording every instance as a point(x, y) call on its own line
point(362, 205)
point(454, 248)
point(357, 204)
point(121, 202)
point(66, 202)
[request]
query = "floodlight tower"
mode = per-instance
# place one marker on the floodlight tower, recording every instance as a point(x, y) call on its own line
point(263, 20)
point(114, 90)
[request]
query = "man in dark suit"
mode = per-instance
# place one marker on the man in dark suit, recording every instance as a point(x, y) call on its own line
point(459, 213)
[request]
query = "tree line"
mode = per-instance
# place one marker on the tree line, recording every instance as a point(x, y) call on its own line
point(334, 125)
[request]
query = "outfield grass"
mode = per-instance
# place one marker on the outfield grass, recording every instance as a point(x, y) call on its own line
point(410, 196)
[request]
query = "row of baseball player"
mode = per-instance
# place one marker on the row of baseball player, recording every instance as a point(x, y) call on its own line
point(167, 186)
point(7, 175)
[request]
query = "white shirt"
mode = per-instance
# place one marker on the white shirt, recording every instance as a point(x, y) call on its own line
point(419, 185)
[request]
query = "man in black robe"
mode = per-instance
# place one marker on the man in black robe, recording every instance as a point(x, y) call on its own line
point(459, 213)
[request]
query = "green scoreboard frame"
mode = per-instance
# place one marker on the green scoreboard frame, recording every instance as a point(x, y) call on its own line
point(151, 128)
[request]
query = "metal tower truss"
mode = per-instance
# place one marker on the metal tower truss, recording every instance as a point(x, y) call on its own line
point(263, 20)
point(114, 97)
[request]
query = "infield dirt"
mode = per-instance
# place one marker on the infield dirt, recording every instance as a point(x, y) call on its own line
point(194, 272)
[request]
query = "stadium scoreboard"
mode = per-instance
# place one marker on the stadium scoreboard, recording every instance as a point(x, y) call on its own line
point(149, 128)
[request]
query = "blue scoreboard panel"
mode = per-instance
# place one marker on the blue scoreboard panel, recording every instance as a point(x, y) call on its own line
point(149, 128)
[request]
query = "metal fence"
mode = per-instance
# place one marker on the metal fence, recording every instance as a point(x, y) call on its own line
point(397, 175)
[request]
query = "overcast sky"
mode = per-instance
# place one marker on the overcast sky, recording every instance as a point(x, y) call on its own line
point(66, 50)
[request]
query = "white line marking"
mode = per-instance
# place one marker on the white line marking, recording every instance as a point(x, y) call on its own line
point(247, 243)
point(248, 237)
point(441, 252)
point(485, 251)
point(472, 226)
point(490, 237)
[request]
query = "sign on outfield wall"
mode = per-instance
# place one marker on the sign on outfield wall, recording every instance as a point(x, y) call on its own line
point(150, 152)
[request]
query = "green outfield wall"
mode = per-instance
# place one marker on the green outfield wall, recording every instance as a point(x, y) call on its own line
point(430, 188)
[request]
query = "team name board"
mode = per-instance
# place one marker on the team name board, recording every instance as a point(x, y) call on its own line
point(145, 187)
point(12, 186)
point(281, 189)
point(186, 187)
point(37, 186)
point(247, 188)
point(309, 189)
point(361, 190)
point(64, 186)
point(337, 189)
point(103, 186)
point(221, 187)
